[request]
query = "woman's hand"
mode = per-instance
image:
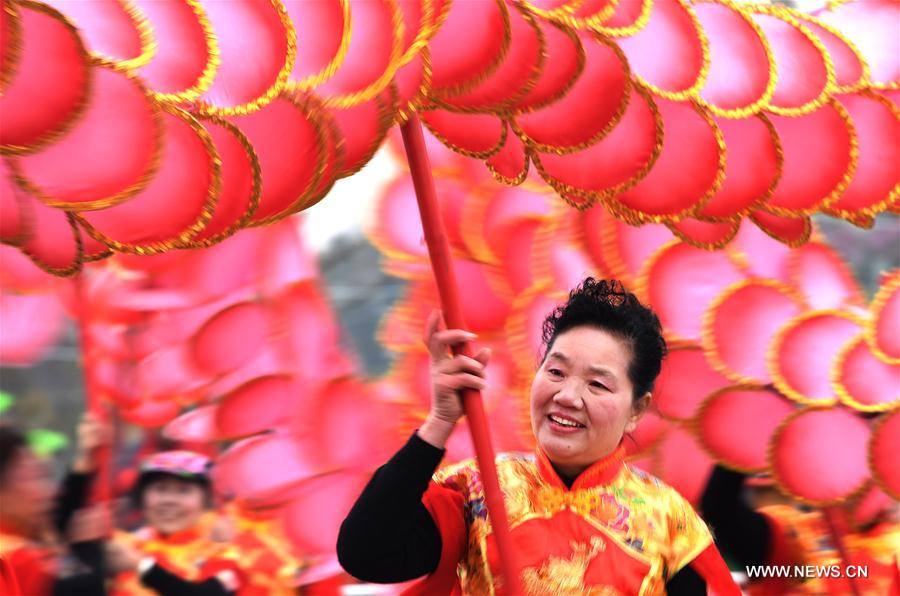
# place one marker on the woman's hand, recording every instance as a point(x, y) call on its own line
point(121, 557)
point(91, 434)
point(89, 524)
point(449, 376)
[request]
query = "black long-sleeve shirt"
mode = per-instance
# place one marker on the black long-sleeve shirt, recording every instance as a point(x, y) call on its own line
point(742, 533)
point(389, 535)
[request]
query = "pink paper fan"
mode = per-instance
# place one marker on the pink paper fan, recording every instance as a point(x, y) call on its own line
point(589, 110)
point(792, 231)
point(870, 26)
point(803, 76)
point(520, 242)
point(627, 16)
point(862, 380)
point(848, 66)
point(685, 381)
point(650, 430)
point(817, 160)
point(264, 469)
point(411, 82)
point(469, 44)
point(108, 155)
point(871, 506)
point(53, 244)
point(248, 32)
point(803, 351)
point(753, 166)
point(194, 426)
point(256, 406)
point(823, 277)
point(688, 171)
point(564, 63)
point(619, 248)
point(230, 338)
point(49, 86)
point(312, 519)
point(704, 234)
point(681, 282)
point(620, 158)
point(177, 201)
point(739, 73)
point(521, 65)
point(290, 149)
point(672, 27)
point(819, 455)
point(31, 325)
point(474, 135)
point(737, 424)
point(881, 330)
point(362, 129)
point(186, 60)
point(149, 413)
point(883, 449)
point(320, 28)
point(106, 26)
point(876, 179)
point(16, 219)
point(766, 256)
point(741, 323)
point(169, 374)
point(19, 272)
point(510, 164)
point(683, 464)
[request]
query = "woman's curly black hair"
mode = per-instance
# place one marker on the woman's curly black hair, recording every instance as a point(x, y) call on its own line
point(606, 304)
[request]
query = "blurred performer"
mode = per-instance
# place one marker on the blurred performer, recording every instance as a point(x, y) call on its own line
point(34, 558)
point(780, 533)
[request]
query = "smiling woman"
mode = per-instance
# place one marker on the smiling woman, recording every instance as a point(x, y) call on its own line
point(583, 521)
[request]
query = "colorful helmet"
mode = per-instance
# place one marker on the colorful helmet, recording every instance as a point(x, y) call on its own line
point(184, 465)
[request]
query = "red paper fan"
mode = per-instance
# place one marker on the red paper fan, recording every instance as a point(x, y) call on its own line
point(111, 29)
point(686, 379)
point(473, 135)
point(741, 323)
point(257, 32)
point(499, 213)
point(178, 201)
point(864, 382)
point(524, 327)
point(521, 67)
point(753, 168)
point(811, 465)
point(792, 231)
point(32, 324)
point(740, 79)
point(804, 68)
point(765, 256)
point(705, 234)
point(849, 67)
point(19, 272)
point(485, 307)
point(619, 248)
point(795, 373)
point(168, 374)
point(149, 413)
point(230, 338)
point(563, 265)
point(291, 150)
point(627, 19)
point(54, 245)
point(412, 81)
point(883, 449)
point(108, 156)
point(241, 184)
point(372, 55)
point(521, 241)
point(877, 125)
point(47, 91)
point(469, 46)
point(510, 164)
point(265, 469)
point(818, 160)
point(871, 27)
point(683, 464)
point(256, 406)
point(871, 506)
point(16, 219)
point(185, 63)
point(823, 277)
point(881, 329)
point(650, 430)
point(312, 519)
point(681, 281)
point(736, 425)
point(672, 25)
point(194, 426)
point(91, 248)
point(10, 38)
point(563, 65)
point(688, 172)
point(322, 43)
point(362, 129)
point(589, 110)
point(620, 159)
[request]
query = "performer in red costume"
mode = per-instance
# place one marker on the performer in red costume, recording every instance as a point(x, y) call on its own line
point(583, 522)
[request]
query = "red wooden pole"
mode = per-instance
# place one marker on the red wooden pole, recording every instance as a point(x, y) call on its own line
point(103, 457)
point(442, 266)
point(836, 524)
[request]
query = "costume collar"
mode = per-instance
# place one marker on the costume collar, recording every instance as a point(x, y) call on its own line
point(182, 537)
point(600, 472)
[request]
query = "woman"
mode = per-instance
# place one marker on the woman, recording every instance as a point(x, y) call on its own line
point(581, 520)
point(175, 554)
point(34, 516)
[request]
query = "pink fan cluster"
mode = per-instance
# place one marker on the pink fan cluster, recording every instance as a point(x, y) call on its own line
point(144, 126)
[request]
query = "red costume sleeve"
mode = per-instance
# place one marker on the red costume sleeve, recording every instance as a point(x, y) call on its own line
point(446, 507)
point(9, 585)
point(712, 568)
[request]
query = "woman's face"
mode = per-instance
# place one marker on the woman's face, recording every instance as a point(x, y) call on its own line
point(27, 492)
point(581, 398)
point(172, 505)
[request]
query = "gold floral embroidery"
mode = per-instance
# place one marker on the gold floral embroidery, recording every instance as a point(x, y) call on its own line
point(565, 576)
